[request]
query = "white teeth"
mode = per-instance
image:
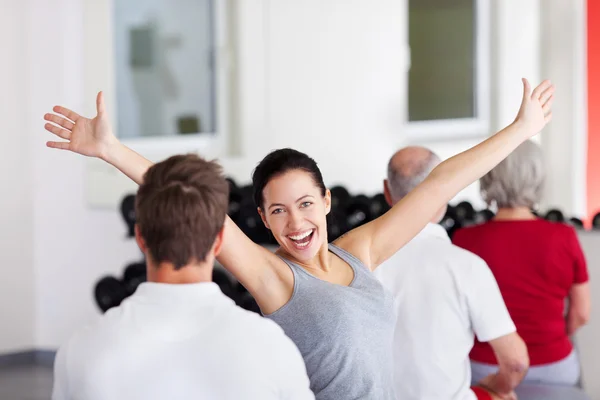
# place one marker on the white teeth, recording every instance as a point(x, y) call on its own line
point(302, 244)
point(302, 236)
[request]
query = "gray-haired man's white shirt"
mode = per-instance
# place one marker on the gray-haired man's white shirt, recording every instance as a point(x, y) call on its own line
point(444, 295)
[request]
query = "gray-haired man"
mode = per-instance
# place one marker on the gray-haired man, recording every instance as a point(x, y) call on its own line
point(444, 296)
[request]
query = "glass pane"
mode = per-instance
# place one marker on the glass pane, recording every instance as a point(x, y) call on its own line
point(164, 67)
point(442, 73)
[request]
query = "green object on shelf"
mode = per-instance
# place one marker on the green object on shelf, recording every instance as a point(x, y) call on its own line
point(188, 124)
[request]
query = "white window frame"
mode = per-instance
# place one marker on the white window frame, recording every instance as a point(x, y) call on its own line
point(211, 142)
point(106, 187)
point(462, 128)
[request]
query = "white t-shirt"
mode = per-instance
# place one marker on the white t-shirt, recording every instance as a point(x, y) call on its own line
point(185, 341)
point(443, 295)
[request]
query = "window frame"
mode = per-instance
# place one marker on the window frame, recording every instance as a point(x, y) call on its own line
point(105, 187)
point(206, 143)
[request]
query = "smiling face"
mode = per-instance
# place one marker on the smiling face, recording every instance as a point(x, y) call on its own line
point(295, 211)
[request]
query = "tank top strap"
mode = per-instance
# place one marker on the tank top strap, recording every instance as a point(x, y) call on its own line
point(297, 271)
point(351, 259)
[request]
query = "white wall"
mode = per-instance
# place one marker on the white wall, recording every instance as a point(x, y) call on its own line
point(516, 46)
point(587, 338)
point(326, 78)
point(74, 245)
point(16, 218)
point(546, 40)
point(563, 59)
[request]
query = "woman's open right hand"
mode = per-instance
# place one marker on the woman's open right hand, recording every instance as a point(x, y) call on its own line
point(89, 137)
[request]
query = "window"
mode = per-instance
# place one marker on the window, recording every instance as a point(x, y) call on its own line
point(448, 78)
point(165, 70)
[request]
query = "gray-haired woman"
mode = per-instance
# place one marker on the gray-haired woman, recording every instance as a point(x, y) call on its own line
point(538, 264)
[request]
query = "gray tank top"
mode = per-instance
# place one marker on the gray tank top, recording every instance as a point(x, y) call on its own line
point(344, 333)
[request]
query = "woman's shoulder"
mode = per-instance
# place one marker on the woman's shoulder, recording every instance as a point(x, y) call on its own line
point(491, 230)
point(563, 235)
point(351, 248)
point(539, 227)
point(556, 228)
point(470, 231)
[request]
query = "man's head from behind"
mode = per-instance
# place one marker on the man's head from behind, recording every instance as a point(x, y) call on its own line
point(407, 168)
point(180, 213)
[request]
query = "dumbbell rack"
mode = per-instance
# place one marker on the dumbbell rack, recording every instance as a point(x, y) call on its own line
point(348, 212)
point(110, 291)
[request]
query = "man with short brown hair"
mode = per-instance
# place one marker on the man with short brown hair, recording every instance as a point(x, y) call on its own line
point(178, 336)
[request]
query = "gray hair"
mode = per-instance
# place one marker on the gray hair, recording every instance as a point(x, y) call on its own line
point(410, 173)
point(518, 180)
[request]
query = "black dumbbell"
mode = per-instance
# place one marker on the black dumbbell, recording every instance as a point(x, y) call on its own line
point(247, 302)
point(576, 223)
point(232, 184)
point(235, 201)
point(554, 216)
point(358, 211)
point(450, 222)
point(340, 197)
point(596, 221)
point(246, 192)
point(134, 274)
point(336, 225)
point(249, 221)
point(379, 205)
point(128, 213)
point(464, 212)
point(225, 283)
point(239, 290)
point(244, 299)
point(109, 292)
point(449, 219)
point(483, 216)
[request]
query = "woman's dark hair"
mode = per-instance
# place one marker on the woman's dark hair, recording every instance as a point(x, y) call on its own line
point(279, 162)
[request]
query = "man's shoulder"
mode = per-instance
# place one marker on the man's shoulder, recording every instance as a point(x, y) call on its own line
point(434, 252)
point(90, 335)
point(253, 325)
point(469, 266)
point(458, 262)
point(451, 254)
point(249, 332)
point(107, 321)
point(234, 325)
